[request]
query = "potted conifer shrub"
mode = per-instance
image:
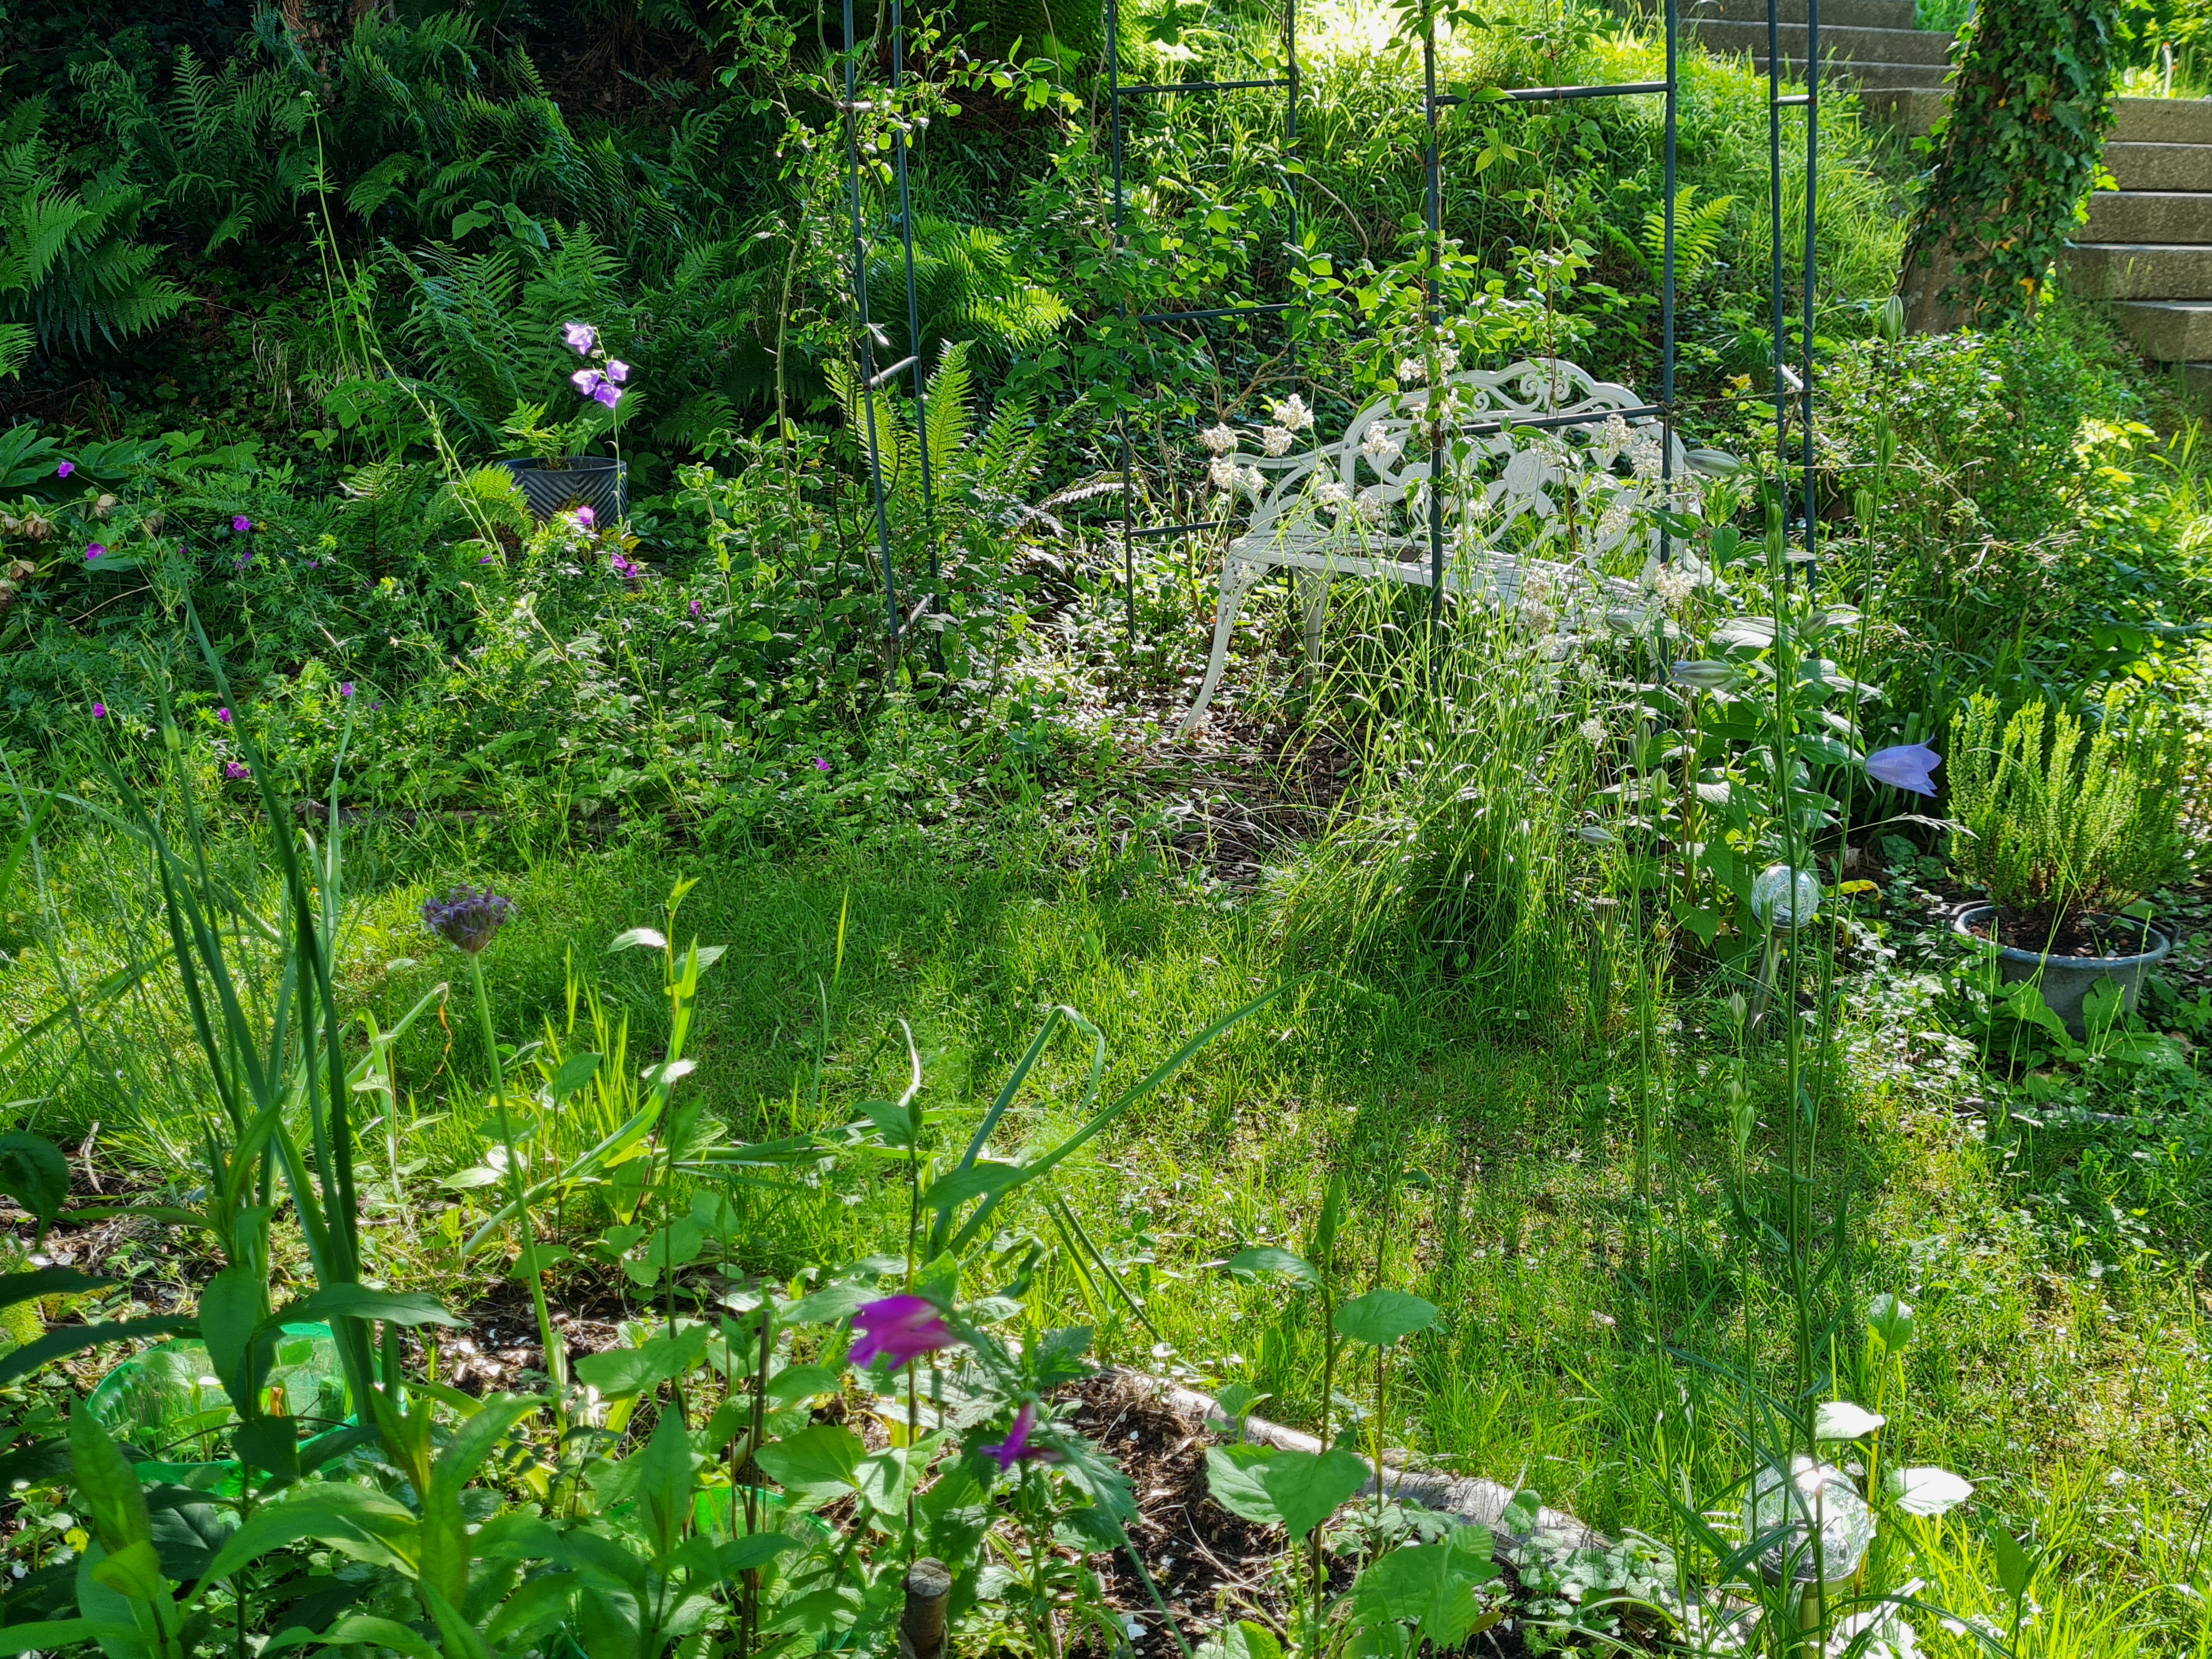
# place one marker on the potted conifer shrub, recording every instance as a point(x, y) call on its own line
point(2066, 824)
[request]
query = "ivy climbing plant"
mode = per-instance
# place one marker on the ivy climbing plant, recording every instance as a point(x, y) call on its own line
point(2015, 158)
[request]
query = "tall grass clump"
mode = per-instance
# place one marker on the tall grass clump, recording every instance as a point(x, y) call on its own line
point(1453, 845)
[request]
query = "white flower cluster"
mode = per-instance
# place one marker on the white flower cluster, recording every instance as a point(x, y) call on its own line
point(1674, 584)
point(1292, 412)
point(1219, 440)
point(1412, 371)
point(1275, 440)
point(1591, 731)
point(1644, 453)
point(1611, 441)
point(1619, 517)
point(1369, 505)
point(1221, 473)
point(1331, 496)
point(1380, 448)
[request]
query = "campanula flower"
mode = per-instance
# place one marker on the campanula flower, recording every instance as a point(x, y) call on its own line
point(606, 391)
point(346, 688)
point(223, 714)
point(588, 381)
point(695, 607)
point(1906, 766)
point(617, 371)
point(467, 916)
point(93, 552)
point(903, 1327)
point(1016, 1446)
point(236, 770)
point(580, 337)
point(820, 765)
point(239, 523)
point(100, 711)
point(64, 469)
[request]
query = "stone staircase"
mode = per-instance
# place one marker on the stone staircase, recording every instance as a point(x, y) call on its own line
point(2148, 246)
point(1870, 41)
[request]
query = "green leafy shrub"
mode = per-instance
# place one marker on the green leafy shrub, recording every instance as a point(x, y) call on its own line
point(2060, 819)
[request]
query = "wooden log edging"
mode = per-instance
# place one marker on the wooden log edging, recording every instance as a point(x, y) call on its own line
point(1470, 1498)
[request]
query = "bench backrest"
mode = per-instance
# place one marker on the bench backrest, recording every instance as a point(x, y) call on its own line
point(1515, 489)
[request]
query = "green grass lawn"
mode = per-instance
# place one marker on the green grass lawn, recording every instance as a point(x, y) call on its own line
point(1565, 1201)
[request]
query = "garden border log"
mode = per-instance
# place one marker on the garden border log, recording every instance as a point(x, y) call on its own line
point(1471, 1498)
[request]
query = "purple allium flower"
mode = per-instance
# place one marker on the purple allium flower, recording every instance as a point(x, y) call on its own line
point(587, 517)
point(820, 765)
point(100, 711)
point(236, 770)
point(1906, 766)
point(904, 1328)
point(588, 381)
point(580, 337)
point(239, 523)
point(64, 469)
point(223, 714)
point(93, 552)
point(467, 916)
point(346, 688)
point(1016, 1446)
point(617, 371)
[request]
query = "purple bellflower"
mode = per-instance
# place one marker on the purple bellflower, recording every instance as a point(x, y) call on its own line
point(467, 917)
point(346, 688)
point(223, 714)
point(239, 523)
point(1906, 766)
point(580, 337)
point(92, 554)
point(100, 711)
point(820, 765)
point(236, 770)
point(64, 469)
point(904, 1328)
point(617, 371)
point(1016, 1446)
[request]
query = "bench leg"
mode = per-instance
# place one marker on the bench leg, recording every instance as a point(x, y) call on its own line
point(1237, 580)
point(1313, 594)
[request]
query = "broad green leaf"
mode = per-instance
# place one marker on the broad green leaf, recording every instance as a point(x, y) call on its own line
point(477, 1439)
point(649, 939)
point(827, 1305)
point(348, 1301)
point(231, 1316)
point(753, 1550)
point(665, 1480)
point(1241, 1639)
point(34, 1172)
point(1234, 1475)
point(619, 1373)
point(1272, 1259)
point(2015, 1566)
point(815, 1462)
point(1308, 1488)
point(42, 1282)
point(109, 1483)
point(1380, 1317)
point(575, 1071)
point(134, 1571)
point(975, 1181)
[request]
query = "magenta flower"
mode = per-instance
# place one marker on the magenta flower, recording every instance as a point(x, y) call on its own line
point(617, 371)
point(93, 552)
point(820, 765)
point(100, 711)
point(223, 714)
point(580, 337)
point(695, 607)
point(588, 381)
point(1906, 766)
point(236, 770)
point(239, 523)
point(903, 1327)
point(587, 517)
point(1016, 1446)
point(487, 559)
point(346, 688)
point(625, 567)
point(64, 469)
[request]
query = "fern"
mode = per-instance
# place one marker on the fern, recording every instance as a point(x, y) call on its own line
point(1700, 229)
point(15, 341)
point(70, 266)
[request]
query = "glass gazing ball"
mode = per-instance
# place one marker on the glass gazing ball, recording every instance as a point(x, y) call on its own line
point(1816, 1498)
point(1775, 898)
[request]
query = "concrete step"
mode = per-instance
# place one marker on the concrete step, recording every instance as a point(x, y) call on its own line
point(2149, 215)
point(2160, 166)
point(2141, 120)
point(2139, 271)
point(1912, 76)
point(2168, 330)
point(1834, 14)
point(1855, 46)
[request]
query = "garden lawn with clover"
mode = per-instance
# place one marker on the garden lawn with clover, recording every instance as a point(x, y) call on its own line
point(647, 1015)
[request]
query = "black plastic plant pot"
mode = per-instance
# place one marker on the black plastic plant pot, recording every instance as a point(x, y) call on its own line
point(2068, 981)
point(598, 481)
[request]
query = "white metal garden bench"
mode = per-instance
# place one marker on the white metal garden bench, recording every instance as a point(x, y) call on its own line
point(1357, 507)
